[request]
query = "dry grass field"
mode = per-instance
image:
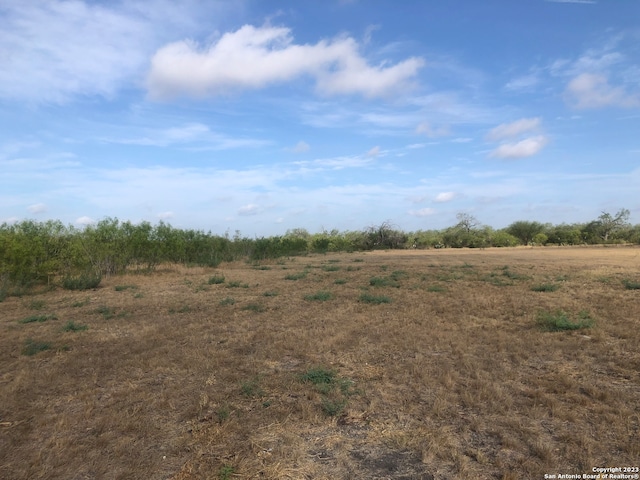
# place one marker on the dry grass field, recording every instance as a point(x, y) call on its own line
point(383, 365)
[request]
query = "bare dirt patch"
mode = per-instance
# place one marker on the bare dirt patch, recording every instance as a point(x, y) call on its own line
point(179, 378)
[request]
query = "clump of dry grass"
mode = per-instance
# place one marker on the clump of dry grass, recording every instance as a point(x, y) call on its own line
point(458, 384)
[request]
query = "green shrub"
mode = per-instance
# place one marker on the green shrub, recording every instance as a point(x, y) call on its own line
point(122, 288)
point(383, 282)
point(545, 287)
point(227, 301)
point(31, 347)
point(86, 281)
point(296, 276)
point(216, 280)
point(70, 326)
point(631, 285)
point(319, 296)
point(559, 321)
point(436, 288)
point(375, 299)
point(254, 307)
point(38, 318)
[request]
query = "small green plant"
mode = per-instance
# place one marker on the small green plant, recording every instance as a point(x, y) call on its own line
point(319, 296)
point(374, 299)
point(631, 285)
point(358, 260)
point(216, 280)
point(398, 275)
point(106, 312)
point(237, 284)
point(340, 281)
point(545, 287)
point(559, 321)
point(334, 389)
point(80, 303)
point(436, 288)
point(226, 471)
point(270, 294)
point(70, 326)
point(31, 347)
point(227, 301)
point(319, 376)
point(251, 388)
point(37, 304)
point(254, 307)
point(296, 276)
point(333, 407)
point(122, 288)
point(223, 413)
point(38, 318)
point(331, 268)
point(139, 295)
point(86, 281)
point(261, 267)
point(383, 282)
point(513, 275)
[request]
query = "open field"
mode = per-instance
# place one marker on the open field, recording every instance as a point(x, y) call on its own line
point(384, 365)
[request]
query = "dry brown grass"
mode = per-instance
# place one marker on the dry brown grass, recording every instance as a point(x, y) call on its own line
point(456, 381)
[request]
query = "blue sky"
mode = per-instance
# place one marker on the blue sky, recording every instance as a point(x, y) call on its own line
point(263, 116)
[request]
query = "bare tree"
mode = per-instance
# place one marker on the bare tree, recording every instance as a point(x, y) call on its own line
point(467, 222)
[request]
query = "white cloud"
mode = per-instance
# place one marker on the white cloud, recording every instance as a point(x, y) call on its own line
point(445, 197)
point(427, 129)
point(250, 209)
point(524, 148)
point(513, 129)
point(85, 221)
point(37, 208)
point(374, 152)
point(300, 147)
point(165, 215)
point(197, 135)
point(63, 48)
point(423, 212)
point(256, 57)
point(589, 90)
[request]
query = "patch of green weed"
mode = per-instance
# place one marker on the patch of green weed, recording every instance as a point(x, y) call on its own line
point(31, 347)
point(560, 321)
point(321, 296)
point(374, 299)
point(631, 285)
point(38, 318)
point(216, 280)
point(71, 326)
point(545, 287)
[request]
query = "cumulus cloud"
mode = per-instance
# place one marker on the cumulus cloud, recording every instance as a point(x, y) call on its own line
point(85, 221)
point(513, 129)
point(523, 148)
point(590, 90)
point(445, 197)
point(256, 57)
point(37, 208)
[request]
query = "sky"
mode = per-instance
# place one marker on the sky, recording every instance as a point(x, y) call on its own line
point(262, 116)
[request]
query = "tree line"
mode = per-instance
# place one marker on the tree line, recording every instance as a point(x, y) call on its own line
point(50, 252)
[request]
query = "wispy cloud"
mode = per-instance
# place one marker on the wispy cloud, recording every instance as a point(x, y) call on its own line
point(188, 68)
point(300, 147)
point(509, 130)
point(523, 148)
point(515, 147)
point(590, 90)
